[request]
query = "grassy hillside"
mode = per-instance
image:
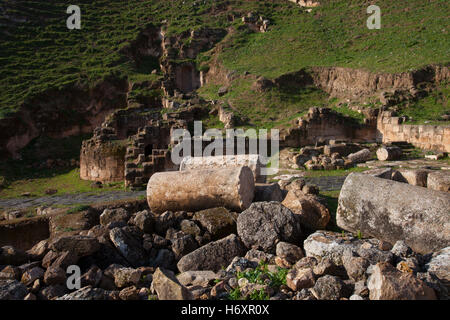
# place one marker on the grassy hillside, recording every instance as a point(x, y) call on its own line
point(38, 52)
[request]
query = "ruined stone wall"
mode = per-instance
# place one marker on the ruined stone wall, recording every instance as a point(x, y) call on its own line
point(427, 137)
point(104, 163)
point(322, 124)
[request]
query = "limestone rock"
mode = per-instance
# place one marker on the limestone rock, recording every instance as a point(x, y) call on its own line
point(144, 221)
point(312, 214)
point(168, 287)
point(439, 180)
point(39, 250)
point(128, 245)
point(196, 278)
point(86, 293)
point(387, 283)
point(439, 265)
point(288, 251)
point(124, 277)
point(328, 288)
point(391, 211)
point(114, 215)
point(217, 221)
point(194, 190)
point(266, 223)
point(415, 177)
point(54, 275)
point(81, 246)
point(298, 279)
point(212, 256)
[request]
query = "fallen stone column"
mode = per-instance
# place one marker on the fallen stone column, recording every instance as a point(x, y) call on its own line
point(195, 190)
point(360, 156)
point(215, 162)
point(389, 153)
point(391, 211)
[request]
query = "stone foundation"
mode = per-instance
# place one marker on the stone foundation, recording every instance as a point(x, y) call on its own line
point(427, 137)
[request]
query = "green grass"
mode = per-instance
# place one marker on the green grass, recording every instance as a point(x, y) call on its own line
point(429, 109)
point(41, 54)
point(272, 109)
point(334, 173)
point(66, 181)
point(412, 35)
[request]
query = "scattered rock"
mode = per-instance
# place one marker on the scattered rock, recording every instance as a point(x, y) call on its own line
point(144, 221)
point(114, 215)
point(168, 287)
point(12, 290)
point(80, 246)
point(124, 277)
point(298, 279)
point(54, 275)
point(129, 246)
point(31, 275)
point(328, 288)
point(86, 293)
point(218, 221)
point(387, 283)
point(212, 256)
point(266, 223)
point(312, 214)
point(288, 251)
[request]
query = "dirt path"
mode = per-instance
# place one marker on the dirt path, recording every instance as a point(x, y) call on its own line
point(70, 199)
point(324, 183)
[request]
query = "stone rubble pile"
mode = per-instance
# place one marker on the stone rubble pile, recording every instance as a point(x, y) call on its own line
point(278, 250)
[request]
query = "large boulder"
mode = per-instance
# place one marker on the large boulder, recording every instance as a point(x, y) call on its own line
point(439, 180)
point(168, 287)
point(213, 255)
point(264, 224)
point(81, 246)
point(114, 215)
point(219, 222)
point(387, 283)
point(391, 211)
point(334, 246)
point(128, 245)
point(312, 214)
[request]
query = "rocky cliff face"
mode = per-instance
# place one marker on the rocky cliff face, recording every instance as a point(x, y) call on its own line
point(61, 113)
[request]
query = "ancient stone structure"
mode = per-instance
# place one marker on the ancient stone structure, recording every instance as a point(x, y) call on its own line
point(391, 211)
point(249, 160)
point(321, 125)
point(148, 152)
point(102, 157)
point(428, 137)
point(193, 190)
